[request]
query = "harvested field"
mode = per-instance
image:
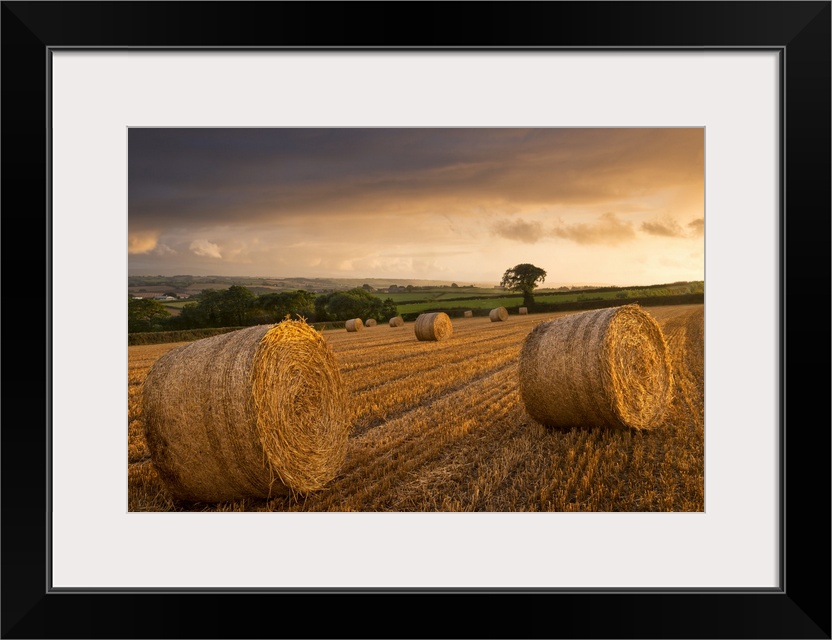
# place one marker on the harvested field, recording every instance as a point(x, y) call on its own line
point(440, 426)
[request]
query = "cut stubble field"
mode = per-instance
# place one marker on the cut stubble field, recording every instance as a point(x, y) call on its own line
point(440, 426)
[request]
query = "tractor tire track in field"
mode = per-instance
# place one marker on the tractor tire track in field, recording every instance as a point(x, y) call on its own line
point(685, 339)
point(381, 459)
point(373, 405)
point(411, 353)
point(417, 357)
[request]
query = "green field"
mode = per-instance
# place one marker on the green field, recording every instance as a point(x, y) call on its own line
point(419, 301)
point(443, 293)
point(477, 303)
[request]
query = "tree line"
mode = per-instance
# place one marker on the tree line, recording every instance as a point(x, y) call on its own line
point(237, 306)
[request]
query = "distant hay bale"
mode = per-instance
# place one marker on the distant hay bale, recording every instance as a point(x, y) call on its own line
point(468, 314)
point(523, 311)
point(354, 325)
point(396, 321)
point(609, 367)
point(498, 315)
point(433, 326)
point(253, 413)
point(370, 323)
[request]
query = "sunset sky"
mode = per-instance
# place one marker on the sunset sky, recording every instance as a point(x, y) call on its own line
point(590, 206)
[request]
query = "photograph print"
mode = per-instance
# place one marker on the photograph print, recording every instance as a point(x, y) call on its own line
point(416, 319)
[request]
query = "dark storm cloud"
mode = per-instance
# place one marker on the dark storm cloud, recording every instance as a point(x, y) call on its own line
point(207, 177)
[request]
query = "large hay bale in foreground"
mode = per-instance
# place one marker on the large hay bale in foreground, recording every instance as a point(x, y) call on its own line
point(252, 413)
point(354, 325)
point(468, 314)
point(396, 321)
point(609, 367)
point(500, 314)
point(370, 322)
point(523, 311)
point(433, 326)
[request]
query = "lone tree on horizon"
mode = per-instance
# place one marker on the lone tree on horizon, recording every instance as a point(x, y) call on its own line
point(523, 278)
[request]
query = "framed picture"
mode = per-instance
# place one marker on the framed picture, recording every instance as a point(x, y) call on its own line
point(754, 76)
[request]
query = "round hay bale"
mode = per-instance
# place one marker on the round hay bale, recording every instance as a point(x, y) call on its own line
point(468, 314)
point(609, 367)
point(396, 321)
point(500, 314)
point(354, 325)
point(433, 326)
point(370, 323)
point(523, 311)
point(252, 413)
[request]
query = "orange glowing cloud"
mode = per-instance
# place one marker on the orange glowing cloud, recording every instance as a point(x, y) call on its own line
point(139, 242)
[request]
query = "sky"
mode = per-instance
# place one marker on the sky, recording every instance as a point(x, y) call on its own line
point(599, 206)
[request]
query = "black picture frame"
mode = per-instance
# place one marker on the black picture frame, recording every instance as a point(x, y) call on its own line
point(799, 608)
